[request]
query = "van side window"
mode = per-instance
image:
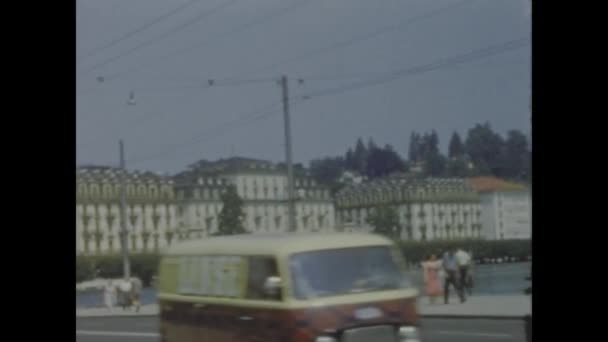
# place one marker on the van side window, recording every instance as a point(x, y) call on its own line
point(260, 268)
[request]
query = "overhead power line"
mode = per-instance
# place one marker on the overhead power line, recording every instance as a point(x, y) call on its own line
point(444, 63)
point(139, 29)
point(199, 17)
point(341, 44)
point(255, 22)
point(352, 41)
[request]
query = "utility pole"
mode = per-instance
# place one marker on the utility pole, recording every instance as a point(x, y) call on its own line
point(123, 213)
point(291, 212)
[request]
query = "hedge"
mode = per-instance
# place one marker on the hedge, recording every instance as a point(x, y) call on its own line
point(416, 251)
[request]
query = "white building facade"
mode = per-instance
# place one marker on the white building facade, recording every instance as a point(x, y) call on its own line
point(263, 188)
point(428, 209)
point(150, 212)
point(506, 209)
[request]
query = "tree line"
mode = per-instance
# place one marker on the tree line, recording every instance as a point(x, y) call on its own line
point(483, 152)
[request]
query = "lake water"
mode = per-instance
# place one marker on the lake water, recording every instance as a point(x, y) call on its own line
point(495, 279)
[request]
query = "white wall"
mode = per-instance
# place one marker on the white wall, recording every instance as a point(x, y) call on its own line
point(507, 215)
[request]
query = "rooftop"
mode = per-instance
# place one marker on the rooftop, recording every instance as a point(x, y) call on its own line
point(493, 184)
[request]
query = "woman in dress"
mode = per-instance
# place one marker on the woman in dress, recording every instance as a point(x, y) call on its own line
point(432, 281)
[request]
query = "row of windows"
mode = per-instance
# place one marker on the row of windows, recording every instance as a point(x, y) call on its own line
point(108, 191)
point(385, 196)
point(437, 214)
point(273, 182)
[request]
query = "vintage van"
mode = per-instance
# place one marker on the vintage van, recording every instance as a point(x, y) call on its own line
point(286, 288)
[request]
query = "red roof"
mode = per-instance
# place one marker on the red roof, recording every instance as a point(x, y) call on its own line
point(491, 184)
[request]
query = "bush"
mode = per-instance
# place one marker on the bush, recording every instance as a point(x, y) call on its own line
point(143, 266)
point(85, 269)
point(417, 251)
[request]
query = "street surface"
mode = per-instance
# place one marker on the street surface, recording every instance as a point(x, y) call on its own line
point(144, 329)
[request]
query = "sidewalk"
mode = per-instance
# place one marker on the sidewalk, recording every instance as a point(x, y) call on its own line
point(506, 306)
point(515, 306)
point(145, 310)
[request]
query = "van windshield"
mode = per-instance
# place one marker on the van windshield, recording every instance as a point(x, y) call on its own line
point(344, 271)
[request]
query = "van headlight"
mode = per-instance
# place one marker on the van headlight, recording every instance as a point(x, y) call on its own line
point(409, 334)
point(325, 339)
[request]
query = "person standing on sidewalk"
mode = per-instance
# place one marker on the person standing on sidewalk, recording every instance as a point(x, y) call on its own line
point(464, 268)
point(432, 283)
point(125, 294)
point(136, 293)
point(451, 278)
point(108, 295)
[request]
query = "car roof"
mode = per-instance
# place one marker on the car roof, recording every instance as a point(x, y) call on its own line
point(275, 243)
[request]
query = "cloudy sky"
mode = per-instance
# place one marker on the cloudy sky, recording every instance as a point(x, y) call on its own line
point(369, 52)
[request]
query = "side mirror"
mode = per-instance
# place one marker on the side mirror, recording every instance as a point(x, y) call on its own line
point(272, 286)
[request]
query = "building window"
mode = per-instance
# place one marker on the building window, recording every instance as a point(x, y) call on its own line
point(94, 190)
point(107, 191)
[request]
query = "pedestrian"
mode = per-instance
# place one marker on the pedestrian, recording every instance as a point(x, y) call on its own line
point(432, 282)
point(108, 295)
point(450, 266)
point(464, 268)
point(125, 293)
point(136, 287)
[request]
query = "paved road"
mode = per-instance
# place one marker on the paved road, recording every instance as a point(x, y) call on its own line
point(144, 329)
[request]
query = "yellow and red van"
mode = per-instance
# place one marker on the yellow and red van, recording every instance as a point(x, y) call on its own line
point(287, 288)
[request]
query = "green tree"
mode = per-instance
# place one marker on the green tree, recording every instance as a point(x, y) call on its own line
point(457, 167)
point(230, 220)
point(414, 148)
point(360, 156)
point(327, 172)
point(385, 221)
point(383, 162)
point(349, 160)
point(516, 152)
point(434, 161)
point(435, 165)
point(456, 148)
point(485, 148)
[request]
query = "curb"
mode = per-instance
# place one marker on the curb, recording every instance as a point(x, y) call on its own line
point(491, 317)
point(431, 316)
point(118, 316)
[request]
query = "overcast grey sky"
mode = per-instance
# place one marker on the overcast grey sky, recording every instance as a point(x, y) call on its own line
point(173, 124)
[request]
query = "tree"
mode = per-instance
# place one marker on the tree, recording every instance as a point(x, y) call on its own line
point(428, 151)
point(485, 148)
point(414, 148)
point(230, 220)
point(360, 156)
point(327, 170)
point(456, 148)
point(435, 165)
point(385, 221)
point(371, 145)
point(432, 143)
point(383, 162)
point(349, 160)
point(515, 155)
point(457, 167)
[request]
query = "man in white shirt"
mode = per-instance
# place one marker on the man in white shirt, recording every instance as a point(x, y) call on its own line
point(464, 263)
